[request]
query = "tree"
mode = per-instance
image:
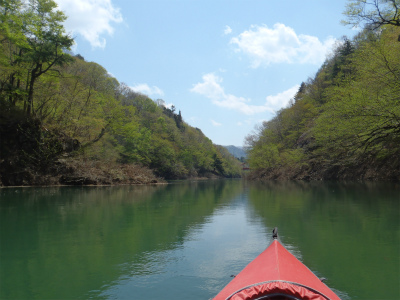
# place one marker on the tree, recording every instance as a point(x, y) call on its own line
point(264, 156)
point(13, 44)
point(363, 115)
point(218, 164)
point(35, 40)
point(374, 13)
point(342, 59)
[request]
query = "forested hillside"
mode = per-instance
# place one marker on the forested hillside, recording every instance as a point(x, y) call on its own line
point(66, 120)
point(345, 122)
point(237, 152)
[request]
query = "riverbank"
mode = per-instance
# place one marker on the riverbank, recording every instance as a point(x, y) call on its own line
point(33, 155)
point(77, 171)
point(367, 170)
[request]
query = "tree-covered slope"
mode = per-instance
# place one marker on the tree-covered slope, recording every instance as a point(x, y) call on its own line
point(344, 122)
point(237, 152)
point(55, 105)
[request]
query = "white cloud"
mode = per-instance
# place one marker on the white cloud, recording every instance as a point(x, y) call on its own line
point(92, 19)
point(280, 100)
point(212, 89)
point(146, 89)
point(215, 123)
point(227, 30)
point(280, 44)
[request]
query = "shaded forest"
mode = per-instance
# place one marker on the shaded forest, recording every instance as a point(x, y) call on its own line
point(345, 122)
point(65, 120)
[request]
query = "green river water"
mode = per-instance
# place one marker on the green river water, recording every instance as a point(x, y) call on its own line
point(185, 239)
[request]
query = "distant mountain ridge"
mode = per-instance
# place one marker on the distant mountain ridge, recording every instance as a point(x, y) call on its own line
point(237, 152)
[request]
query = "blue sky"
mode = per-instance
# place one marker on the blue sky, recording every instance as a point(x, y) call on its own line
point(227, 65)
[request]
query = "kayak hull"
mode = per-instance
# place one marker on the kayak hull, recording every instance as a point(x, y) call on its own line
point(276, 273)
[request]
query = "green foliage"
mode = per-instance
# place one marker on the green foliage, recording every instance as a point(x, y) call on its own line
point(108, 120)
point(231, 166)
point(363, 113)
point(264, 156)
point(81, 101)
point(348, 114)
point(32, 43)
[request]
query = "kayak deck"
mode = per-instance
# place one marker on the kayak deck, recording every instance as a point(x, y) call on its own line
point(276, 274)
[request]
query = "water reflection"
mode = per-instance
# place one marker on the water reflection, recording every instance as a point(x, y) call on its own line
point(87, 236)
point(184, 240)
point(208, 255)
point(349, 232)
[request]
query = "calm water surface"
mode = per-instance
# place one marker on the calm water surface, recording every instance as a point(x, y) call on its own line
point(184, 240)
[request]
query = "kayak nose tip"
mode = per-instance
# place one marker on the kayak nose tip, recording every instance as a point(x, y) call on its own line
point(275, 233)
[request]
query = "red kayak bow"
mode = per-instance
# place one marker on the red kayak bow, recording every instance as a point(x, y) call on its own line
point(276, 274)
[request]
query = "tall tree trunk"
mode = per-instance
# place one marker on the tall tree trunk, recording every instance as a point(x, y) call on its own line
point(34, 75)
point(11, 96)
